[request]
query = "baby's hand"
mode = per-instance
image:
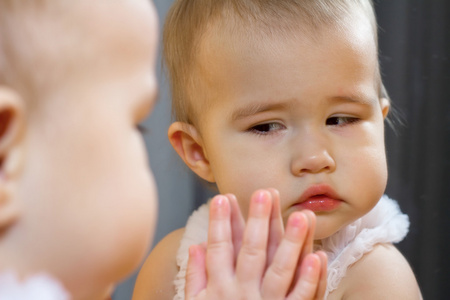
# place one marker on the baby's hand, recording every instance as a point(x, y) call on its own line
point(258, 260)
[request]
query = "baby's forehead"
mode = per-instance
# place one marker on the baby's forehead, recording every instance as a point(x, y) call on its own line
point(288, 25)
point(232, 54)
point(246, 42)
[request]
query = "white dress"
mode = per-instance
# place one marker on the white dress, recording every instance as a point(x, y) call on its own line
point(36, 287)
point(385, 223)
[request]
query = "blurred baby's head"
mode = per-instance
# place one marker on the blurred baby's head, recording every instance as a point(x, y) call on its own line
point(77, 198)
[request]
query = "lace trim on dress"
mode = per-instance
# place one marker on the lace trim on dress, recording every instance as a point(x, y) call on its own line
point(383, 224)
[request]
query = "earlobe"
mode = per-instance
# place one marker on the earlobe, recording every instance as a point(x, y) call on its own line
point(11, 135)
point(187, 142)
point(385, 106)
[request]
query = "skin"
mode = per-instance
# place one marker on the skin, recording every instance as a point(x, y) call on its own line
point(83, 196)
point(293, 114)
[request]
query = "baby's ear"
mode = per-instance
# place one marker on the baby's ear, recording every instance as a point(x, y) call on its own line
point(11, 134)
point(187, 142)
point(385, 106)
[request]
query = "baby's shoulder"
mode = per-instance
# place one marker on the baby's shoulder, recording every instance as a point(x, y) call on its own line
point(382, 273)
point(155, 279)
point(164, 253)
point(172, 241)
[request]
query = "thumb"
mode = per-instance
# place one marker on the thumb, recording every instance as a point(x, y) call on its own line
point(196, 279)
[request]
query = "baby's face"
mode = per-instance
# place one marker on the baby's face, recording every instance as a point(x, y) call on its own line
point(301, 115)
point(90, 197)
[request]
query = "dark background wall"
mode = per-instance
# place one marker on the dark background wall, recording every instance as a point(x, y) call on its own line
point(415, 61)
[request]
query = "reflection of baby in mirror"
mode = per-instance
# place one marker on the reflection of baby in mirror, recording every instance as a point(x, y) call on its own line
point(76, 79)
point(287, 94)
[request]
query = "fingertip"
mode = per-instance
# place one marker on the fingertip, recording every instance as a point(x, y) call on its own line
point(298, 220)
point(231, 198)
point(275, 197)
point(312, 264)
point(311, 216)
point(219, 205)
point(261, 204)
point(219, 200)
point(323, 256)
point(274, 192)
point(261, 196)
point(315, 258)
point(194, 251)
point(234, 205)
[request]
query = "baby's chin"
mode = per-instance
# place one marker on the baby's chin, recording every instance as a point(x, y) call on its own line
point(324, 229)
point(319, 236)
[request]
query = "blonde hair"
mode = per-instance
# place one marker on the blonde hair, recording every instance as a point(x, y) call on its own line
point(189, 21)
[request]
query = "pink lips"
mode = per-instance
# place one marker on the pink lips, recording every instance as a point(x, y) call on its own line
point(319, 198)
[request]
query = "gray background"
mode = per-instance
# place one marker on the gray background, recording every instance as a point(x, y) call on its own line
point(178, 190)
point(414, 55)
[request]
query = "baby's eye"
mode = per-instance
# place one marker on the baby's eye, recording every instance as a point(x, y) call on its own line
point(339, 121)
point(266, 128)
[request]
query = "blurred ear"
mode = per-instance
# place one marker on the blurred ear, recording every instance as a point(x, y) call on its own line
point(385, 106)
point(187, 142)
point(11, 136)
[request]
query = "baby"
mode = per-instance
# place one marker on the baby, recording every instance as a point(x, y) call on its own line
point(287, 94)
point(77, 198)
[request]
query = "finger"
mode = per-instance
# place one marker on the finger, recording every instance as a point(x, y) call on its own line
point(252, 257)
point(321, 289)
point(280, 273)
point(309, 240)
point(276, 230)
point(237, 224)
point(219, 240)
point(306, 285)
point(196, 279)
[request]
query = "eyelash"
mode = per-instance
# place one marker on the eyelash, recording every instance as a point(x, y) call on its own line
point(142, 129)
point(266, 128)
point(347, 121)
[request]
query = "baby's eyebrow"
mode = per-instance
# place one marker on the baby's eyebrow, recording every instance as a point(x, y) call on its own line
point(255, 108)
point(359, 99)
point(260, 107)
